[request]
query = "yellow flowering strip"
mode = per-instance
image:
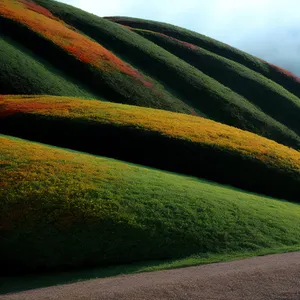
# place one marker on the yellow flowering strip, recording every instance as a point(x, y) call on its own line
point(181, 126)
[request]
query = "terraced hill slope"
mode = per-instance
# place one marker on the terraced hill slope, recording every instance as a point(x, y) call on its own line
point(144, 93)
point(157, 138)
point(275, 73)
point(121, 66)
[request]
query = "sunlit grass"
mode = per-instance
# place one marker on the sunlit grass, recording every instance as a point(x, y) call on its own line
point(170, 141)
point(185, 127)
point(62, 209)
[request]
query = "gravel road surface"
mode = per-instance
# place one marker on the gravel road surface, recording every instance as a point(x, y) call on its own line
point(268, 277)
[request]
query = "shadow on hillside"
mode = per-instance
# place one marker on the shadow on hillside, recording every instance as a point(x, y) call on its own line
point(14, 284)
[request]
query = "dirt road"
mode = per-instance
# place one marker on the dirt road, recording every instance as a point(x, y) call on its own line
point(269, 277)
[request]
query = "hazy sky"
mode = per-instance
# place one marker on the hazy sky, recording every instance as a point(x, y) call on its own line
point(269, 29)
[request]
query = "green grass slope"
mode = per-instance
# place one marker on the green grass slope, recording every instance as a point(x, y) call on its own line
point(205, 94)
point(175, 93)
point(23, 73)
point(83, 59)
point(272, 98)
point(63, 209)
point(157, 138)
point(279, 75)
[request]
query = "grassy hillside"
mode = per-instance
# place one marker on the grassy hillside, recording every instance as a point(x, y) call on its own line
point(279, 75)
point(22, 72)
point(151, 95)
point(165, 140)
point(270, 97)
point(70, 51)
point(204, 93)
point(106, 212)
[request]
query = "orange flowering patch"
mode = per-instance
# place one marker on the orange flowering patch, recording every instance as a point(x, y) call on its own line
point(40, 20)
point(175, 125)
point(87, 59)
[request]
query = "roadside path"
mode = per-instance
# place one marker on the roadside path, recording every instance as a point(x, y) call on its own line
point(262, 278)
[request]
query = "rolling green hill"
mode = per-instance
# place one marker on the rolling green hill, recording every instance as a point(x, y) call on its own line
point(270, 97)
point(103, 123)
point(23, 72)
point(279, 75)
point(170, 82)
point(64, 209)
point(161, 139)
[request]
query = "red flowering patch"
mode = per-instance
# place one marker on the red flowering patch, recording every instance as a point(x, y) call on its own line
point(7, 109)
point(189, 45)
point(7, 112)
point(43, 22)
point(286, 73)
point(148, 84)
point(39, 9)
point(126, 26)
point(282, 71)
